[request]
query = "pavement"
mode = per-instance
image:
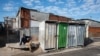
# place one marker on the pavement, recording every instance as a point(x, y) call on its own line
point(60, 51)
point(94, 51)
point(91, 50)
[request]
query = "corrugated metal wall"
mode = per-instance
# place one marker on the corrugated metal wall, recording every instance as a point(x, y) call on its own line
point(25, 31)
point(39, 16)
point(30, 31)
point(34, 31)
point(50, 33)
point(34, 28)
point(80, 34)
point(47, 35)
point(72, 40)
point(76, 35)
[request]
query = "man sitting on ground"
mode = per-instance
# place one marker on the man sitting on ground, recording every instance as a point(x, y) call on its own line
point(25, 39)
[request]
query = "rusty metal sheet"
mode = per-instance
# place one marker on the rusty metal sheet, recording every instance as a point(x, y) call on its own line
point(25, 18)
point(59, 18)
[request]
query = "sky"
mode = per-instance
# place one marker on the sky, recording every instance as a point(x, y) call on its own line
point(76, 9)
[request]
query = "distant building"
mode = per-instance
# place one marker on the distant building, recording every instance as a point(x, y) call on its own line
point(92, 28)
point(10, 23)
point(11, 30)
point(2, 30)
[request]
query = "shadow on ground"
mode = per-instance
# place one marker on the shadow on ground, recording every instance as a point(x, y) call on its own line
point(88, 41)
point(27, 49)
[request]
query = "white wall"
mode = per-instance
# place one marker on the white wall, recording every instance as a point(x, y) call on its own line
point(18, 22)
point(42, 35)
point(87, 27)
point(39, 16)
point(14, 24)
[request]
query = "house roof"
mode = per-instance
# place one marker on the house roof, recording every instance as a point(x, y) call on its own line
point(90, 20)
point(40, 12)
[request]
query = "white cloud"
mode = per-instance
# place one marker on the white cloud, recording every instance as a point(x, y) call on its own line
point(56, 10)
point(71, 3)
point(10, 6)
point(97, 1)
point(27, 2)
point(56, 1)
point(79, 11)
point(79, 1)
point(37, 1)
point(39, 7)
point(91, 5)
point(95, 8)
point(59, 2)
point(52, 0)
point(87, 7)
point(89, 2)
point(30, 2)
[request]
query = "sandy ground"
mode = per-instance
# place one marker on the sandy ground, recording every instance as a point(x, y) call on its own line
point(16, 52)
point(6, 51)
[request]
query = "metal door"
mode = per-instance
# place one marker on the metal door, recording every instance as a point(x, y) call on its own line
point(72, 40)
point(50, 38)
point(80, 35)
point(62, 35)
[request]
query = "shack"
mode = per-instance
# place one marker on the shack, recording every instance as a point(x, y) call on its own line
point(57, 35)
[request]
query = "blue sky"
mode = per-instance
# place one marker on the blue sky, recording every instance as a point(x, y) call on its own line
point(77, 9)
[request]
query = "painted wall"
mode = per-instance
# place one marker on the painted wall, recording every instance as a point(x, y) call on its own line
point(94, 32)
